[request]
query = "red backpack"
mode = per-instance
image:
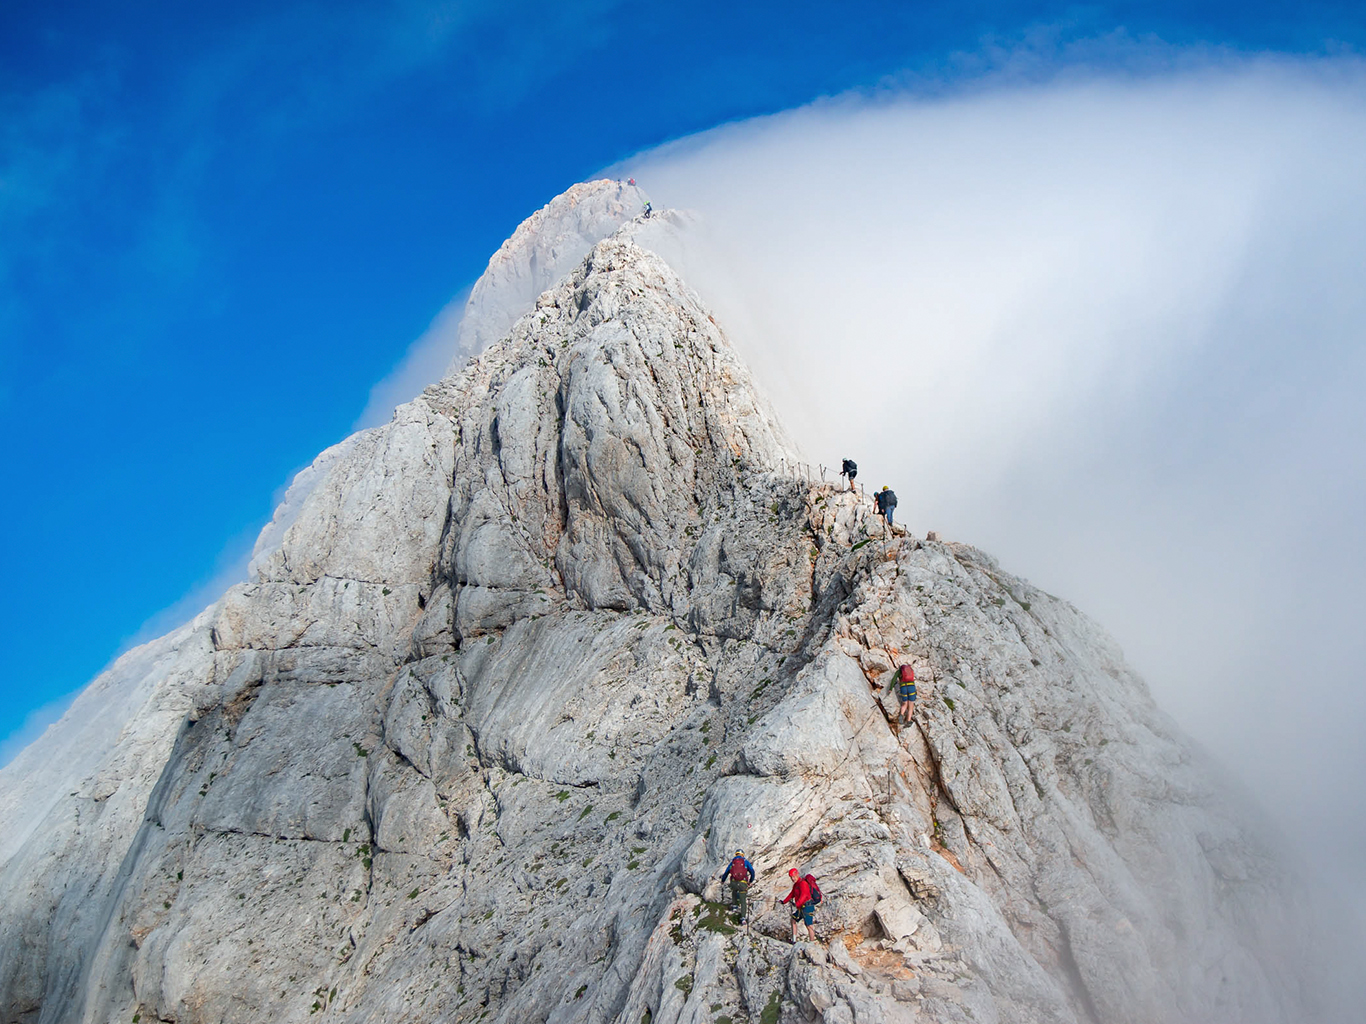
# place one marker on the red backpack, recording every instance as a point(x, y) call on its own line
point(907, 674)
point(737, 870)
point(816, 896)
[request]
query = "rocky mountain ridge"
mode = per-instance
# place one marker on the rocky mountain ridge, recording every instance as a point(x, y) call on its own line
point(522, 668)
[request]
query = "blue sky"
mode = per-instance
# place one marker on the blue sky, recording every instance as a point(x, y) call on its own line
point(220, 226)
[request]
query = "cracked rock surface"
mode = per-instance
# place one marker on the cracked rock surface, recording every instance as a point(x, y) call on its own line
point(520, 670)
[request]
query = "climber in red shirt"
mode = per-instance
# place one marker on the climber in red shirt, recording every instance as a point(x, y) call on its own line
point(803, 905)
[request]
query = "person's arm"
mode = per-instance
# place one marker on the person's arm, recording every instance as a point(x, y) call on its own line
point(750, 868)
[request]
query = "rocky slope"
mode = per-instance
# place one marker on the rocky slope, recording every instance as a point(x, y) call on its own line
point(527, 664)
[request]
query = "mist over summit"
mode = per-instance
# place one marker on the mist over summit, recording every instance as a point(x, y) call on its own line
point(517, 672)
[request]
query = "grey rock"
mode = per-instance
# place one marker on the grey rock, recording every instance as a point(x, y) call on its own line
point(839, 955)
point(906, 989)
point(898, 916)
point(809, 989)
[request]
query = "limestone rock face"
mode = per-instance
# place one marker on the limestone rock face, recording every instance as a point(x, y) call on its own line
point(518, 672)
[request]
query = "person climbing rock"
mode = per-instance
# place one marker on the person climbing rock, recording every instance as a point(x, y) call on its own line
point(905, 691)
point(886, 503)
point(740, 872)
point(646, 212)
point(803, 902)
point(850, 470)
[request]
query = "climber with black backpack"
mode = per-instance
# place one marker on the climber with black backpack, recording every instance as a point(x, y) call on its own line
point(886, 503)
point(905, 691)
point(740, 872)
point(804, 896)
point(849, 469)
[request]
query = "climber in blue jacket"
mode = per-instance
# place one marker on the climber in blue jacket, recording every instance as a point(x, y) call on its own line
point(740, 872)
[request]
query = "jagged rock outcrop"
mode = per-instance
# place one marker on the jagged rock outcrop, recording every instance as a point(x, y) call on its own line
point(544, 248)
point(519, 670)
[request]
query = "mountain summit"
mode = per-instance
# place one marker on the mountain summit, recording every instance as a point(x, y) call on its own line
point(544, 248)
point(521, 670)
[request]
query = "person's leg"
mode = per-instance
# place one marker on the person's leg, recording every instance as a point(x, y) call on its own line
point(889, 515)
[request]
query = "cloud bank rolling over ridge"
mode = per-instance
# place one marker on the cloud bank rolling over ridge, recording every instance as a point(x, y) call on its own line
point(1110, 330)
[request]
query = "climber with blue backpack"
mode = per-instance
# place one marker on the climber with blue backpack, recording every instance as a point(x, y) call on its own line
point(741, 873)
point(804, 896)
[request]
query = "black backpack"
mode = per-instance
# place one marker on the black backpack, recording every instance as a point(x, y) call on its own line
point(849, 468)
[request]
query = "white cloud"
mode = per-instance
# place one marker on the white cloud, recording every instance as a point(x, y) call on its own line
point(424, 363)
point(1109, 330)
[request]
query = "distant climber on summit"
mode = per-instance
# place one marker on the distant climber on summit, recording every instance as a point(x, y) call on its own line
point(741, 873)
point(804, 896)
point(849, 469)
point(646, 212)
point(886, 503)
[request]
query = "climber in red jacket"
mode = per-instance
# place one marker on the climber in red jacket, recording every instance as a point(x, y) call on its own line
point(803, 905)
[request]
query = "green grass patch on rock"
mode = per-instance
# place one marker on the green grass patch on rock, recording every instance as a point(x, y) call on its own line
point(714, 918)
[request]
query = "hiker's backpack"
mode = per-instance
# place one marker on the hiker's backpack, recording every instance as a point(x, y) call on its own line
point(907, 674)
point(737, 870)
point(816, 896)
point(849, 468)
